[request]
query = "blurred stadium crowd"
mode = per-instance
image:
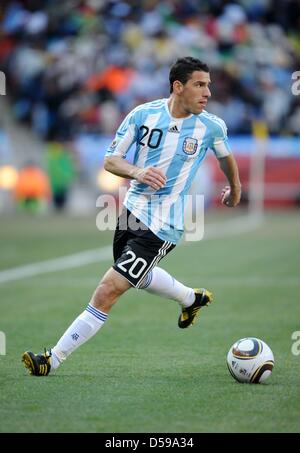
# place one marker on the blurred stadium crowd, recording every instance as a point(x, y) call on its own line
point(79, 66)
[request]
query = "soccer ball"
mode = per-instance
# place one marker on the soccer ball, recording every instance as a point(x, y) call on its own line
point(250, 360)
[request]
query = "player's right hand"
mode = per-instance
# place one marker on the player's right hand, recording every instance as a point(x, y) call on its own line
point(152, 176)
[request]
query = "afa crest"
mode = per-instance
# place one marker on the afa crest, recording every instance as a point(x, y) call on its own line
point(190, 145)
point(113, 145)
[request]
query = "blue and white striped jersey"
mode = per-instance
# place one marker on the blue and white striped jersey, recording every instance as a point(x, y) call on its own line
point(175, 145)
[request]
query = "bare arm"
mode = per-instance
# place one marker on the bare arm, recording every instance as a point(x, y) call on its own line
point(231, 194)
point(151, 176)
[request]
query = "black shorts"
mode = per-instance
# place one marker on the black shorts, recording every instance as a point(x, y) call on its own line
point(136, 249)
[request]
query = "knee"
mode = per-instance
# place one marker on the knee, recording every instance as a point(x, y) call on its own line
point(106, 294)
point(106, 291)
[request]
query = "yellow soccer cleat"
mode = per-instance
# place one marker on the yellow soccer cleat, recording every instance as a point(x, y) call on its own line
point(38, 365)
point(203, 297)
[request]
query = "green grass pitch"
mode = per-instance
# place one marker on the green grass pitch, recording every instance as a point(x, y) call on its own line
point(141, 373)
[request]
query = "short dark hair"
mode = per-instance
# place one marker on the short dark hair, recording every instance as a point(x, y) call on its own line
point(183, 68)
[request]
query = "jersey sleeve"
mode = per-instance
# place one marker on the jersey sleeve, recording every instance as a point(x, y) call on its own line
point(125, 136)
point(220, 145)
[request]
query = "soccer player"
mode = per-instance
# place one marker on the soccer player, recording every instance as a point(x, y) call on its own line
point(171, 138)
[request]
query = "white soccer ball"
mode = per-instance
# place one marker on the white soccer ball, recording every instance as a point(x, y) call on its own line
point(250, 360)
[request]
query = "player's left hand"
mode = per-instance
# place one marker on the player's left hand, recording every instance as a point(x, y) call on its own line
point(231, 197)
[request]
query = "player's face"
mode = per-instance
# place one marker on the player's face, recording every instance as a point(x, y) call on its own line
point(195, 93)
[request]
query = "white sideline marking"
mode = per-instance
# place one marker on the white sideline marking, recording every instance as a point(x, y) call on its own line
point(57, 264)
point(229, 228)
point(249, 281)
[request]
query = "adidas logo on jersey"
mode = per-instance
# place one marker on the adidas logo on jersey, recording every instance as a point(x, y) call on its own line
point(173, 129)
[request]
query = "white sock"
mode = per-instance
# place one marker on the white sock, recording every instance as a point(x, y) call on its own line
point(82, 329)
point(159, 282)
